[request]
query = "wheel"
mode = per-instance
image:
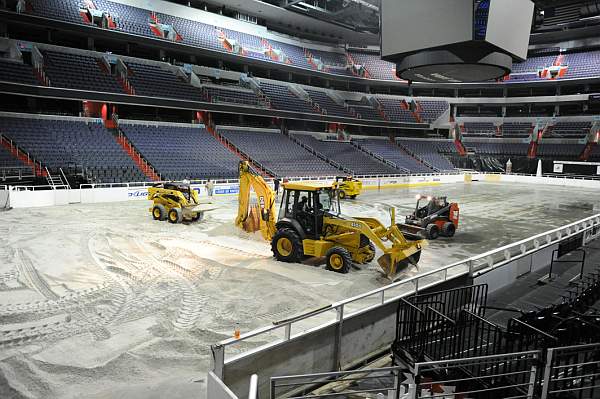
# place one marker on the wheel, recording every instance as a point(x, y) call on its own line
point(371, 257)
point(339, 260)
point(353, 197)
point(287, 246)
point(175, 215)
point(433, 232)
point(198, 217)
point(159, 212)
point(449, 229)
point(342, 194)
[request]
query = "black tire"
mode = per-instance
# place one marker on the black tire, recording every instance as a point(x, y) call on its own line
point(433, 231)
point(159, 212)
point(372, 248)
point(175, 215)
point(339, 260)
point(342, 194)
point(198, 217)
point(287, 246)
point(449, 229)
point(353, 197)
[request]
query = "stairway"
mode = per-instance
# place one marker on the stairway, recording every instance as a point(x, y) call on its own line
point(414, 156)
point(134, 154)
point(56, 180)
point(211, 128)
point(22, 156)
point(319, 155)
point(379, 158)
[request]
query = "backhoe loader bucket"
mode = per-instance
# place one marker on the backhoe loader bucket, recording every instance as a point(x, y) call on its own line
point(397, 260)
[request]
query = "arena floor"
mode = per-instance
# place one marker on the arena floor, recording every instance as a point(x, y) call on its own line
point(101, 301)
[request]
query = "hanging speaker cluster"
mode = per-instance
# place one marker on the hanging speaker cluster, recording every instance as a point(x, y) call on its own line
point(454, 41)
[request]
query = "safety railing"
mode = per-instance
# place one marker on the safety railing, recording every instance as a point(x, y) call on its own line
point(356, 383)
point(511, 375)
point(335, 313)
point(572, 371)
point(18, 173)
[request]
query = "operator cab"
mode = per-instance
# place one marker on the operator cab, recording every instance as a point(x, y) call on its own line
point(303, 207)
point(433, 205)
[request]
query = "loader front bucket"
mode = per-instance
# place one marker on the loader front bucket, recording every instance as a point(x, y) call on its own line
point(395, 261)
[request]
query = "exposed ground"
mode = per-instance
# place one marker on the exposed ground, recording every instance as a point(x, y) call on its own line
point(100, 301)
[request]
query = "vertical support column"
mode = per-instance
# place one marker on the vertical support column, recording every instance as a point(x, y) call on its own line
point(338, 339)
point(547, 372)
point(218, 352)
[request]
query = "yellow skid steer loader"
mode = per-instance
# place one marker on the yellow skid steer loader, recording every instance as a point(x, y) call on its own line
point(176, 202)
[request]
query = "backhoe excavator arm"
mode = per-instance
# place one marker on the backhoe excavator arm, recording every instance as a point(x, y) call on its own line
point(266, 202)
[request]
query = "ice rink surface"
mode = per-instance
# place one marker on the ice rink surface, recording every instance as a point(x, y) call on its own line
point(100, 301)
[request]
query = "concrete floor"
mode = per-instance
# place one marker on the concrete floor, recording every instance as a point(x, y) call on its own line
point(101, 301)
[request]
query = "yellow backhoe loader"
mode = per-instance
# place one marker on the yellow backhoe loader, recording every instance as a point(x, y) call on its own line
point(260, 215)
point(310, 224)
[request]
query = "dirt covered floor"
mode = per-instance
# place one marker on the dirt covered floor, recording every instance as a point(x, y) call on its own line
point(100, 301)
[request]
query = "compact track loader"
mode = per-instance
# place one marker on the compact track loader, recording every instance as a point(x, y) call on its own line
point(310, 224)
point(176, 202)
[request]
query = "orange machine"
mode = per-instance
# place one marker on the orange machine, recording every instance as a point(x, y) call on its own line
point(437, 217)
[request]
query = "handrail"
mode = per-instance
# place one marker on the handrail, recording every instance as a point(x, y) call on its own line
point(65, 177)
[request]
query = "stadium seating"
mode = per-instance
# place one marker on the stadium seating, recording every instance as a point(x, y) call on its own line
point(7, 160)
point(182, 152)
point(281, 98)
point(295, 54)
point(497, 148)
point(232, 94)
point(595, 154)
point(394, 110)
point(432, 110)
point(348, 156)
point(325, 102)
point(517, 129)
point(377, 68)
point(560, 151)
point(393, 153)
point(154, 81)
point(278, 153)
point(365, 110)
point(17, 72)
point(479, 129)
point(532, 64)
point(581, 65)
point(62, 143)
point(571, 129)
point(429, 151)
point(66, 10)
point(136, 21)
point(79, 72)
point(252, 45)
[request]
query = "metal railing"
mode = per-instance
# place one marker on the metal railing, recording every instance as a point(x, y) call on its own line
point(18, 172)
point(572, 370)
point(355, 383)
point(335, 313)
point(253, 388)
point(510, 375)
